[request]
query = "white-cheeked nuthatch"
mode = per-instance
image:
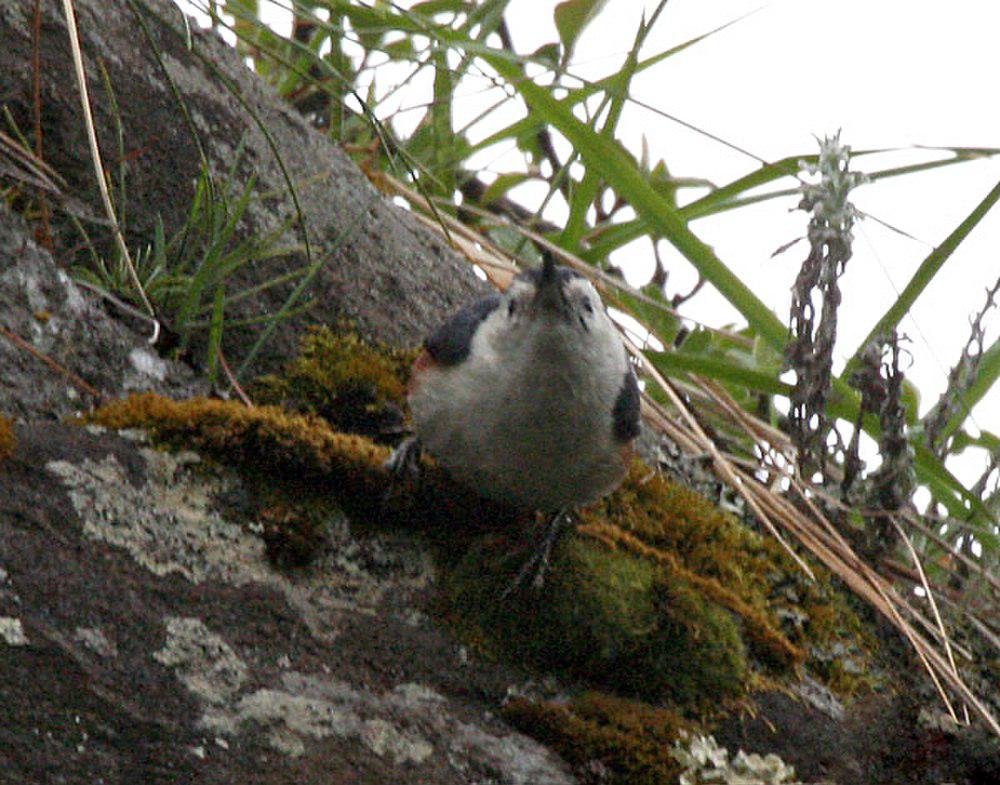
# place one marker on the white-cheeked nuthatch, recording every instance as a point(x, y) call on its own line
point(528, 397)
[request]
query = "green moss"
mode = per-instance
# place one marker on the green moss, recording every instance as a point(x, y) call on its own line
point(785, 614)
point(659, 594)
point(357, 385)
point(606, 739)
point(7, 440)
point(612, 618)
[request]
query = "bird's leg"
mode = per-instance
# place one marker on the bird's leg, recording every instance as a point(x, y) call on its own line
point(538, 561)
point(404, 463)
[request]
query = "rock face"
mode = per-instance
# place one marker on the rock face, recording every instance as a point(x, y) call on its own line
point(381, 268)
point(144, 637)
point(40, 304)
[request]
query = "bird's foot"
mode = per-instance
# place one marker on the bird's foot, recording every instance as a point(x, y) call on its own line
point(404, 463)
point(537, 564)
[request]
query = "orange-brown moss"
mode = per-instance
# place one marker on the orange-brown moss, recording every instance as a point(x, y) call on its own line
point(606, 739)
point(748, 573)
point(660, 594)
point(7, 440)
point(265, 437)
point(359, 385)
point(767, 642)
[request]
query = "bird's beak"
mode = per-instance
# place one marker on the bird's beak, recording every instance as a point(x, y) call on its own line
point(549, 296)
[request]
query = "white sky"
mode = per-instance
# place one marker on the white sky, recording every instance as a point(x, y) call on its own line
point(889, 73)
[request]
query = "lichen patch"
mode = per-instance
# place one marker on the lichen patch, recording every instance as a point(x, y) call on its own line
point(12, 631)
point(204, 662)
point(169, 524)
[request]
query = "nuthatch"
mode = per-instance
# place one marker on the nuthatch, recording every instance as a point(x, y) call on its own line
point(528, 397)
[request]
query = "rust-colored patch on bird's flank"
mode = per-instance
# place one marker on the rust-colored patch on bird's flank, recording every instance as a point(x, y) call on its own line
point(423, 363)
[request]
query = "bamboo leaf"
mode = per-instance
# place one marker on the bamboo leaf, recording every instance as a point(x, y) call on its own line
point(723, 370)
point(572, 18)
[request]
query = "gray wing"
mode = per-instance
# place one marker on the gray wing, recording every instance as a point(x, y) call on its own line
point(449, 344)
point(626, 410)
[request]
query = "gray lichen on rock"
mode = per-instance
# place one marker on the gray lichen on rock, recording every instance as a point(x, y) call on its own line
point(407, 725)
point(169, 524)
point(706, 763)
point(12, 631)
point(147, 366)
point(96, 640)
point(204, 662)
point(14, 14)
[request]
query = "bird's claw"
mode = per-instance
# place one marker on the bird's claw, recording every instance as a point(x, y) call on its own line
point(404, 463)
point(538, 562)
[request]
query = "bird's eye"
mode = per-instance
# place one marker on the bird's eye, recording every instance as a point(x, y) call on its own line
point(587, 305)
point(511, 307)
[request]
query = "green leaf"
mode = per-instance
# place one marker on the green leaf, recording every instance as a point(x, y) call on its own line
point(910, 399)
point(430, 8)
point(400, 49)
point(572, 17)
point(986, 440)
point(215, 331)
point(548, 54)
point(722, 370)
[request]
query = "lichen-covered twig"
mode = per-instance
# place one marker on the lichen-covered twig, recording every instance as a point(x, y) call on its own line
point(810, 351)
point(960, 379)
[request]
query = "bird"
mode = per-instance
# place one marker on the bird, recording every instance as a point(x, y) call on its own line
point(528, 397)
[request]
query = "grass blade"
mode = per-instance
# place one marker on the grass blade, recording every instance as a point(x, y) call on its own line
point(924, 275)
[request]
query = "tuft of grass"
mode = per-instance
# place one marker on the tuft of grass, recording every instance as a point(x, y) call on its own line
point(188, 276)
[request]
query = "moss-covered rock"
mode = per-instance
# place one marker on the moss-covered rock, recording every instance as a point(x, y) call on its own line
point(656, 593)
point(357, 384)
point(285, 444)
point(605, 738)
point(659, 594)
point(609, 617)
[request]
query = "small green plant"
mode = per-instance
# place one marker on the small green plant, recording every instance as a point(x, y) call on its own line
point(188, 276)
